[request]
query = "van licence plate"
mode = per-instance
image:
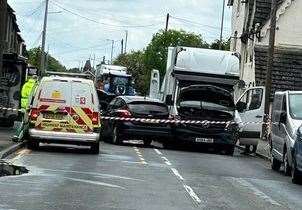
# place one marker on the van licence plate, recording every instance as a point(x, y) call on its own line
point(53, 116)
point(204, 140)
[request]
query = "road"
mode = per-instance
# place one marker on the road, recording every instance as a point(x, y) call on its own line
point(133, 177)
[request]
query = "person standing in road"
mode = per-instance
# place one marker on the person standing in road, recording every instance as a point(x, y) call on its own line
point(26, 95)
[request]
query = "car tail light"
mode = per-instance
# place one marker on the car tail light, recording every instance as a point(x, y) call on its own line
point(124, 113)
point(34, 113)
point(95, 118)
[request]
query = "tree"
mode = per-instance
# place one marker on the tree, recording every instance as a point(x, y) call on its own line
point(34, 58)
point(226, 44)
point(157, 51)
point(134, 61)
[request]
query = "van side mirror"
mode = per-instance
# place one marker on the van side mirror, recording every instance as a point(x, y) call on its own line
point(169, 100)
point(241, 106)
point(283, 117)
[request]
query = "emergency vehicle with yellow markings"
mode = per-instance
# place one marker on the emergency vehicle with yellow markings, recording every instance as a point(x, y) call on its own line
point(65, 110)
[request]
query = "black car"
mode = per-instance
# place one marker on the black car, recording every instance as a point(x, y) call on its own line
point(116, 131)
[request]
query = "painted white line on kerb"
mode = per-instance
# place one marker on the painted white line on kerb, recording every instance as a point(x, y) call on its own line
point(167, 161)
point(192, 194)
point(256, 191)
point(158, 152)
point(177, 174)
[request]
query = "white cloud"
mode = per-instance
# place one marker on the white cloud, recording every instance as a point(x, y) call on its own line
point(73, 39)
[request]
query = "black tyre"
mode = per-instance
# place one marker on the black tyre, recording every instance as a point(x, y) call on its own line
point(229, 150)
point(296, 176)
point(287, 169)
point(147, 142)
point(115, 136)
point(95, 148)
point(33, 144)
point(254, 148)
point(275, 164)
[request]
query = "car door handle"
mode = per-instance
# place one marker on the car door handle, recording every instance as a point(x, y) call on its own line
point(259, 116)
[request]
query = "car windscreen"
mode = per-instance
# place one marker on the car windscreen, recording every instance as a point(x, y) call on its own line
point(205, 105)
point(145, 108)
point(295, 105)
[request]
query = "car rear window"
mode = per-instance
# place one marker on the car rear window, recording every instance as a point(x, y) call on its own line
point(56, 91)
point(148, 108)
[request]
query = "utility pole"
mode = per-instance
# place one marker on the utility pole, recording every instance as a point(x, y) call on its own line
point(167, 22)
point(270, 61)
point(112, 50)
point(126, 41)
point(42, 67)
point(222, 24)
point(3, 14)
point(122, 46)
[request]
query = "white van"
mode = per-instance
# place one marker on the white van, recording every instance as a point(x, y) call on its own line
point(65, 110)
point(286, 134)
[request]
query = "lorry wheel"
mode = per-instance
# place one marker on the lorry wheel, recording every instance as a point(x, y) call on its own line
point(275, 164)
point(32, 144)
point(229, 150)
point(95, 148)
point(287, 169)
point(254, 148)
point(296, 177)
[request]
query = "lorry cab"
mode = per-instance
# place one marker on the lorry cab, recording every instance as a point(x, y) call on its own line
point(286, 134)
point(65, 110)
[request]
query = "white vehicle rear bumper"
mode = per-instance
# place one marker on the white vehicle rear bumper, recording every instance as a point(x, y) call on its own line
point(52, 135)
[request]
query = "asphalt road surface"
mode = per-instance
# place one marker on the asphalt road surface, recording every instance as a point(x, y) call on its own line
point(133, 177)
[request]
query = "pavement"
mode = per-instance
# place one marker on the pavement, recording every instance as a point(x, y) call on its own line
point(5, 137)
point(7, 146)
point(133, 177)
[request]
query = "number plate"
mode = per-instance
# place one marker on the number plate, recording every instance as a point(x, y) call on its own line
point(204, 140)
point(53, 116)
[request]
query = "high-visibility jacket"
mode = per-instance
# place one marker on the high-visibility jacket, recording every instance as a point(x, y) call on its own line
point(27, 88)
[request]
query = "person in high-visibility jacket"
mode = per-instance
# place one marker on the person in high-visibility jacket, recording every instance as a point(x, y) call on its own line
point(27, 89)
point(26, 94)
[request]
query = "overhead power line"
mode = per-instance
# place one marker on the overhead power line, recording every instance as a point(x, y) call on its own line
point(194, 23)
point(35, 10)
point(98, 22)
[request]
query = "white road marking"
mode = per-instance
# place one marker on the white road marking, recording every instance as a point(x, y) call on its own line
point(140, 156)
point(177, 174)
point(158, 152)
point(192, 194)
point(256, 191)
point(95, 183)
point(94, 174)
point(167, 161)
point(188, 189)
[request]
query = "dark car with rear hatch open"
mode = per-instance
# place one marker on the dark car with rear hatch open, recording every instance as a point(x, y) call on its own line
point(115, 131)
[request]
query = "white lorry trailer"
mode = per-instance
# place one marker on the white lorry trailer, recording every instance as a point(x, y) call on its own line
point(199, 85)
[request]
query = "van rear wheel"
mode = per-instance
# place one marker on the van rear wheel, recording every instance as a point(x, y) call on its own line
point(296, 176)
point(95, 148)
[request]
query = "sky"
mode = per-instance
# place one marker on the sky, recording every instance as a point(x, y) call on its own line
point(81, 29)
